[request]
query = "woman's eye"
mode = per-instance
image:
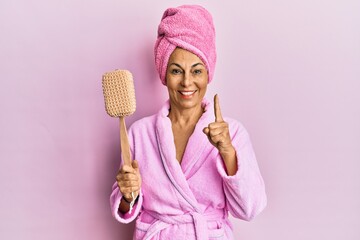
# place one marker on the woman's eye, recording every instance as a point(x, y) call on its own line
point(175, 71)
point(197, 72)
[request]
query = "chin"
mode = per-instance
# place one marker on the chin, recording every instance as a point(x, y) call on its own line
point(189, 104)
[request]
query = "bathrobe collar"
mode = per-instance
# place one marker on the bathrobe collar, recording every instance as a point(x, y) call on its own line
point(192, 160)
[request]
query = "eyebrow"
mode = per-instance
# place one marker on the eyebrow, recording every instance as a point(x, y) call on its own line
point(192, 66)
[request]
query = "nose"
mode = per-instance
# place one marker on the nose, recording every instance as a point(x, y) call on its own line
point(186, 81)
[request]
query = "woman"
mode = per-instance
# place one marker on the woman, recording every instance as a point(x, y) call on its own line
point(192, 165)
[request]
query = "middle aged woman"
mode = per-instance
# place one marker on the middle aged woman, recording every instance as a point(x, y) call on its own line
point(192, 165)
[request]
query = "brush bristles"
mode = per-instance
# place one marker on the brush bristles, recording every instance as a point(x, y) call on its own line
point(119, 93)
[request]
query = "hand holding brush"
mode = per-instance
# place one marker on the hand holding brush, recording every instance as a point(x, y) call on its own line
point(119, 94)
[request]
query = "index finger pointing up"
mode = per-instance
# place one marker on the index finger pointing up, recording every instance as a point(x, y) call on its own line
point(218, 116)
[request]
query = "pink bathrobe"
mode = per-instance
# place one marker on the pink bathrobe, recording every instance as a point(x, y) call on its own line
point(190, 200)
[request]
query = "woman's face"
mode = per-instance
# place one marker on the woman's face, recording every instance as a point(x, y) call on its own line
point(186, 79)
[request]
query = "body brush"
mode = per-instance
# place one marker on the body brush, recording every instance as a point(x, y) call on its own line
point(119, 94)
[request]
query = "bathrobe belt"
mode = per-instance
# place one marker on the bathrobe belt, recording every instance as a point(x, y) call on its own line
point(199, 220)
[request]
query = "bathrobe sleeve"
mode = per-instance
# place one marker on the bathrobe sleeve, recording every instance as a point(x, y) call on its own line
point(116, 196)
point(244, 191)
point(115, 199)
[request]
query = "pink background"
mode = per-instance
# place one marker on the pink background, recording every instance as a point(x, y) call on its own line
point(289, 70)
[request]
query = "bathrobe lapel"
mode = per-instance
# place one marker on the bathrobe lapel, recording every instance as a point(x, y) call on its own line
point(192, 159)
point(198, 144)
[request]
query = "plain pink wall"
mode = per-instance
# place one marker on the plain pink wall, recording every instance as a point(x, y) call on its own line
point(289, 70)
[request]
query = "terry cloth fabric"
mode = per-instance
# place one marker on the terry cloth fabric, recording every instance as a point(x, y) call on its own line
point(189, 27)
point(190, 200)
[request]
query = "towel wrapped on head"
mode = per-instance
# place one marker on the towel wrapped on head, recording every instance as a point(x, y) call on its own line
point(189, 27)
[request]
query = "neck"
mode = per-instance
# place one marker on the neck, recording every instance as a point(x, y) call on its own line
point(184, 117)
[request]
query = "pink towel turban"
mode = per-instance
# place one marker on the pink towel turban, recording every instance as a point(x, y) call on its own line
point(189, 27)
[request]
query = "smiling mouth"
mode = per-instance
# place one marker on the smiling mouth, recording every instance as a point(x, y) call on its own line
point(187, 93)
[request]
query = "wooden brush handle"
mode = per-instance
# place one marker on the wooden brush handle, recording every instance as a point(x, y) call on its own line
point(124, 143)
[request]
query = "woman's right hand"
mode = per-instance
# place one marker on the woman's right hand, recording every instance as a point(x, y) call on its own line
point(129, 180)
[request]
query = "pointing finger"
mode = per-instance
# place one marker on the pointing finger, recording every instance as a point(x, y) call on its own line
point(218, 116)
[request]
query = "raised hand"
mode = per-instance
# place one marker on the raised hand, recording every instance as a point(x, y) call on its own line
point(219, 136)
point(218, 131)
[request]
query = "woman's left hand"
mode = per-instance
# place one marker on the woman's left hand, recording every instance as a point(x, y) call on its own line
point(219, 136)
point(218, 131)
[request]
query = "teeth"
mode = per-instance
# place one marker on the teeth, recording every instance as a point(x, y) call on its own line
point(187, 93)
